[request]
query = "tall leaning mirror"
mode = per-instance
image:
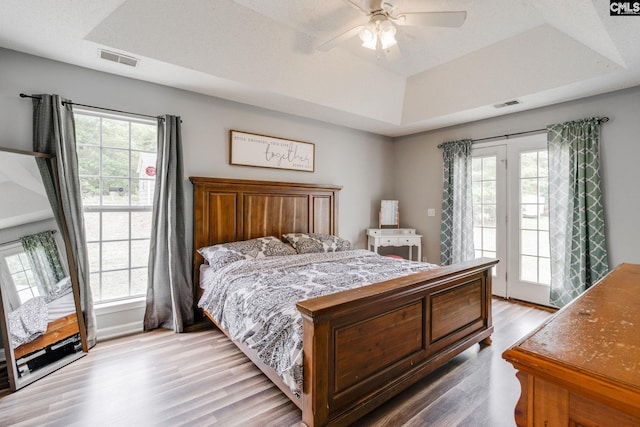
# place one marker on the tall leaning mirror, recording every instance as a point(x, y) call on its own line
point(41, 320)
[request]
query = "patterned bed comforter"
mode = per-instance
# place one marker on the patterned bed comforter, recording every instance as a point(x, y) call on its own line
point(254, 300)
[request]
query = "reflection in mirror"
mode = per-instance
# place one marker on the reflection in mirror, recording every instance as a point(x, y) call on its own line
point(40, 317)
point(389, 213)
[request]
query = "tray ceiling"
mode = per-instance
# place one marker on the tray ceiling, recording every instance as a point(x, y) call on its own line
point(263, 53)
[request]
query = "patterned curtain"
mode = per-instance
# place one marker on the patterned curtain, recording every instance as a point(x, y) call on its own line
point(456, 233)
point(576, 214)
point(42, 251)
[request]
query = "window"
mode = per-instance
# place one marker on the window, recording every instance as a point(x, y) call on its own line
point(116, 159)
point(17, 268)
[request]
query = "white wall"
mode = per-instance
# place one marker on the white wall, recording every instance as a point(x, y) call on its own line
point(418, 170)
point(361, 162)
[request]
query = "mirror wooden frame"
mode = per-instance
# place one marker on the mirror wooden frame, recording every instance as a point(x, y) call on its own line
point(15, 380)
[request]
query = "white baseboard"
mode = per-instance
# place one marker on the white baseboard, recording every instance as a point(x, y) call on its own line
point(119, 330)
point(119, 318)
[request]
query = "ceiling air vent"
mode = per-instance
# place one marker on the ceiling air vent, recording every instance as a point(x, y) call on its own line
point(508, 103)
point(119, 58)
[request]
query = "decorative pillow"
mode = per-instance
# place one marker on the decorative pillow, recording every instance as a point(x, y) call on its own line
point(220, 255)
point(306, 243)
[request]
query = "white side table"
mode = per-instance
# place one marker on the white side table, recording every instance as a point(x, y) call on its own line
point(378, 237)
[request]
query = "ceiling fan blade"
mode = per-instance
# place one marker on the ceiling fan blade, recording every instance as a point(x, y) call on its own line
point(357, 4)
point(331, 43)
point(432, 19)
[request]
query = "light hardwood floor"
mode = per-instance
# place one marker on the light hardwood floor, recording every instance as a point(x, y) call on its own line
point(200, 379)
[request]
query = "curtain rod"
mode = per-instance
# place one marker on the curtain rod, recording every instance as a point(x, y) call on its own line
point(506, 136)
point(10, 242)
point(22, 95)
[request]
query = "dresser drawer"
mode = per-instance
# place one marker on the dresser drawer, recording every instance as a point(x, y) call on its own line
point(409, 241)
point(388, 241)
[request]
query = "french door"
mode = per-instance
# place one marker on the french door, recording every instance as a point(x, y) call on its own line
point(511, 215)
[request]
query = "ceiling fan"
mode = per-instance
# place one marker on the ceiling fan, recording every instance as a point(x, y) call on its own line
point(380, 31)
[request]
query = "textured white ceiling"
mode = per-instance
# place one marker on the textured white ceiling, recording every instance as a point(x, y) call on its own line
point(263, 52)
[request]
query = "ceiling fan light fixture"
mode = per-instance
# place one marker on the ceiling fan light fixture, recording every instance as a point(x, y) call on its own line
point(368, 36)
point(387, 34)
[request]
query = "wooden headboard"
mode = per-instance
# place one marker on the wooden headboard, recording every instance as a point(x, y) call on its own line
point(228, 210)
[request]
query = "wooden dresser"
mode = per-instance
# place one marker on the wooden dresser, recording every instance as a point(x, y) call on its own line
point(582, 366)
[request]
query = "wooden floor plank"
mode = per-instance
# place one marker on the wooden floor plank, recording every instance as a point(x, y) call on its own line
point(200, 378)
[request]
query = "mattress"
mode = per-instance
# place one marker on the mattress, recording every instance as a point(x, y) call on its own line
point(254, 300)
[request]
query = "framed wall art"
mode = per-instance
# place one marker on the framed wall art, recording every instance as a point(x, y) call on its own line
point(250, 149)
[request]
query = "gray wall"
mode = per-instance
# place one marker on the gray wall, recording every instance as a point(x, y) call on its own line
point(418, 168)
point(361, 162)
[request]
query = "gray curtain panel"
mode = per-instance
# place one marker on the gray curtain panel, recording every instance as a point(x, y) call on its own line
point(576, 213)
point(54, 134)
point(43, 255)
point(170, 290)
point(456, 232)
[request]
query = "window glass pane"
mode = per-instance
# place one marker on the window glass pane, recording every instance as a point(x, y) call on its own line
point(529, 164)
point(529, 218)
point(144, 136)
point(543, 243)
point(115, 162)
point(529, 242)
point(115, 225)
point(142, 192)
point(20, 280)
point(93, 252)
point(139, 253)
point(529, 268)
point(115, 284)
point(543, 163)
point(477, 237)
point(141, 224)
point(544, 275)
point(543, 217)
point(115, 255)
point(529, 190)
point(489, 239)
point(476, 192)
point(90, 188)
point(14, 264)
point(88, 160)
point(115, 192)
point(92, 226)
point(489, 168)
point(489, 215)
point(115, 133)
point(87, 129)
point(489, 192)
point(476, 168)
point(94, 280)
point(143, 165)
point(139, 280)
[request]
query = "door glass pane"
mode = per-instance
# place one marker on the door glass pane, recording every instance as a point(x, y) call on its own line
point(534, 217)
point(484, 206)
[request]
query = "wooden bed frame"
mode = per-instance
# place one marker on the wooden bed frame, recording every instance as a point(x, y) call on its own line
point(57, 330)
point(363, 346)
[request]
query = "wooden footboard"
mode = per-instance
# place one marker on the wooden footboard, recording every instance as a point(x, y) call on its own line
point(363, 346)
